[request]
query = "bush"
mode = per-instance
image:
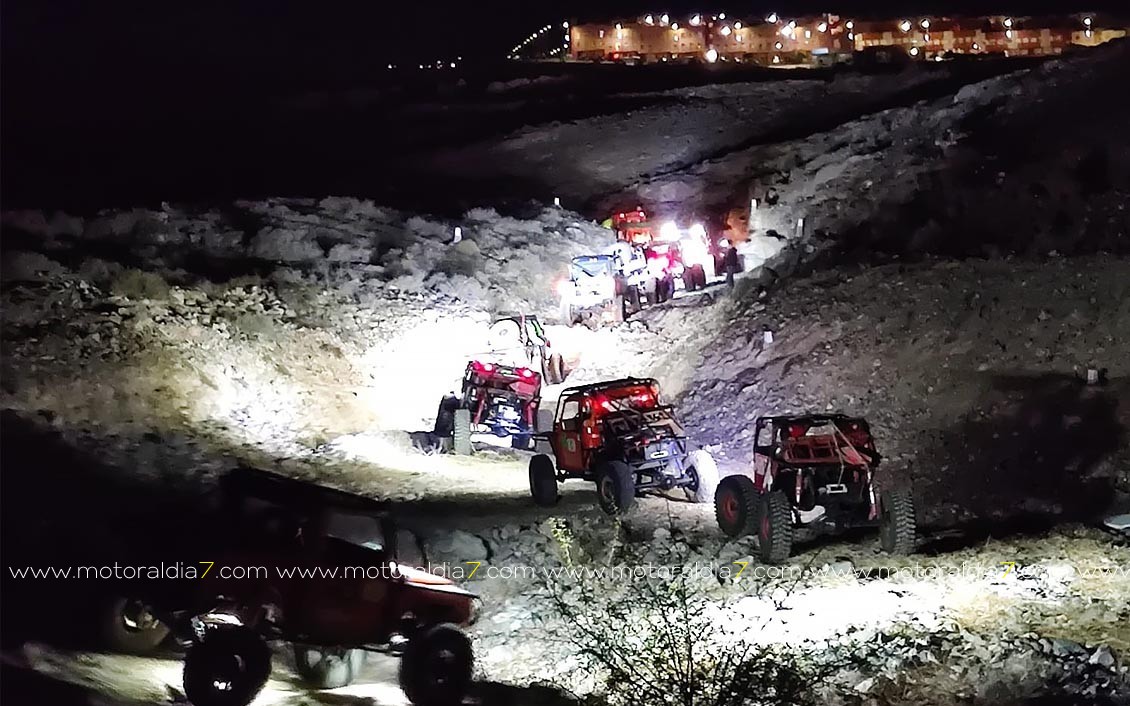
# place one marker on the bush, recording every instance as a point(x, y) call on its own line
point(664, 641)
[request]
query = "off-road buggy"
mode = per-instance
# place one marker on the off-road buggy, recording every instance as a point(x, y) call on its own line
point(815, 472)
point(618, 435)
point(523, 336)
point(347, 595)
point(498, 399)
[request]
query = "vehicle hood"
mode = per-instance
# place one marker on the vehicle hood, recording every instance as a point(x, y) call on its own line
point(429, 581)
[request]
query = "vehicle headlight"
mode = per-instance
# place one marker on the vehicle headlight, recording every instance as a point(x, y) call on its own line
point(669, 231)
point(694, 252)
point(698, 230)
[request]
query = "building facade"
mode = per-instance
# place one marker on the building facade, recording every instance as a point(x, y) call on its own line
point(817, 39)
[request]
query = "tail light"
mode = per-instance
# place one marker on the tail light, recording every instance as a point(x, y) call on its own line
point(525, 372)
point(483, 367)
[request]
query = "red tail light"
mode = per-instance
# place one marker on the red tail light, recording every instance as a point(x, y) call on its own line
point(483, 367)
point(525, 372)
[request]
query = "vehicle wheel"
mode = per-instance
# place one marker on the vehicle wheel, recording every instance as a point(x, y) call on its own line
point(616, 487)
point(228, 668)
point(328, 668)
point(705, 473)
point(775, 534)
point(436, 667)
point(445, 416)
point(461, 432)
point(699, 273)
point(632, 299)
point(651, 291)
point(557, 366)
point(668, 287)
point(567, 315)
point(618, 312)
point(522, 442)
point(897, 526)
point(736, 506)
point(128, 626)
point(543, 481)
point(688, 280)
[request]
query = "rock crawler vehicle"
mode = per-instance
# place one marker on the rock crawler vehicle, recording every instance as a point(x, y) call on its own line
point(618, 435)
point(813, 472)
point(497, 399)
point(363, 600)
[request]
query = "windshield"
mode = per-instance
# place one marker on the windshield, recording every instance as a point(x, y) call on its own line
point(591, 266)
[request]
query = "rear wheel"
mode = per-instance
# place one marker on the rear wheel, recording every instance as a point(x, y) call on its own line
point(553, 369)
point(689, 281)
point(618, 312)
point(227, 668)
point(897, 526)
point(699, 276)
point(736, 506)
point(632, 299)
point(568, 317)
point(775, 533)
point(616, 487)
point(328, 668)
point(436, 667)
point(543, 481)
point(461, 432)
point(704, 473)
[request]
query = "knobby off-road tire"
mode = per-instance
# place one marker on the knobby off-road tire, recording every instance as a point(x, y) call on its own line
point(775, 528)
point(324, 668)
point(736, 506)
point(898, 529)
point(705, 472)
point(228, 668)
point(543, 481)
point(436, 667)
point(616, 487)
point(461, 432)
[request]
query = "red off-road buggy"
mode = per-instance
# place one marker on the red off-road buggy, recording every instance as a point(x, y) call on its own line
point(618, 435)
point(498, 399)
point(815, 472)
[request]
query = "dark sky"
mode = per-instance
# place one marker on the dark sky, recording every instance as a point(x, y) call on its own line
point(317, 32)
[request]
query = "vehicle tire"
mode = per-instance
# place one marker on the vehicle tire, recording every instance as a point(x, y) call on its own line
point(775, 527)
point(651, 291)
point(699, 276)
point(557, 366)
point(436, 667)
point(618, 312)
point(705, 472)
point(461, 432)
point(129, 627)
point(897, 526)
point(689, 280)
point(324, 668)
point(632, 299)
point(568, 317)
point(228, 668)
point(616, 487)
point(736, 506)
point(668, 285)
point(543, 481)
point(445, 416)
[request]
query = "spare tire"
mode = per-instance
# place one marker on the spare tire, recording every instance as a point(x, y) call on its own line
point(736, 506)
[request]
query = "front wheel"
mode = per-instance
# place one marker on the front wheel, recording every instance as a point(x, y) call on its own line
point(897, 525)
point(461, 432)
point(229, 667)
point(436, 667)
point(328, 668)
point(543, 481)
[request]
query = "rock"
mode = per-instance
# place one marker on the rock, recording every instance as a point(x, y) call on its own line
point(1102, 657)
point(457, 547)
